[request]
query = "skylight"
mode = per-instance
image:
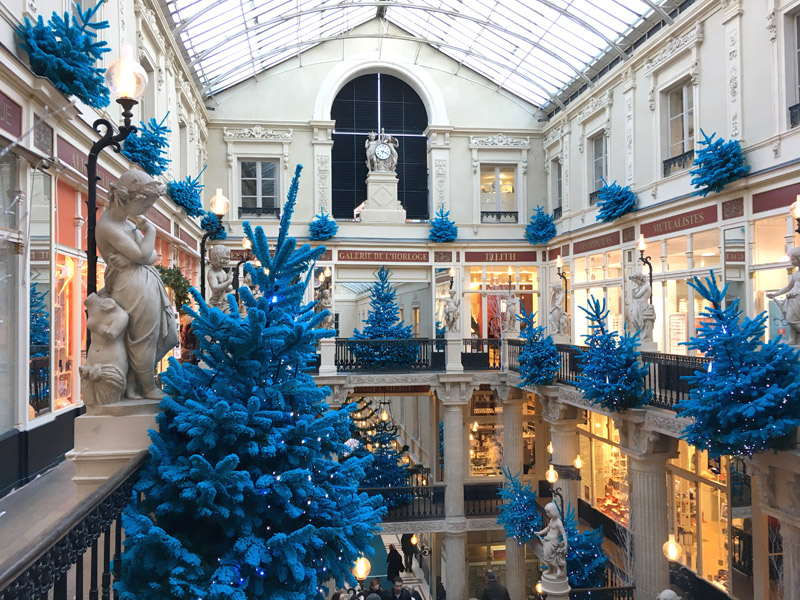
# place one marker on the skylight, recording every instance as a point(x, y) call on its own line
point(533, 48)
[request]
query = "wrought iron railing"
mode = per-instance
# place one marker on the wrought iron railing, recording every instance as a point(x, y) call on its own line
point(387, 356)
point(482, 499)
point(499, 216)
point(57, 555)
point(481, 354)
point(794, 115)
point(678, 163)
point(557, 213)
point(569, 368)
point(514, 350)
point(259, 211)
point(415, 503)
point(742, 552)
point(594, 197)
point(665, 376)
point(39, 392)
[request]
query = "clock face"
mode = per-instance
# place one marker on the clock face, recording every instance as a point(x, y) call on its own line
point(382, 151)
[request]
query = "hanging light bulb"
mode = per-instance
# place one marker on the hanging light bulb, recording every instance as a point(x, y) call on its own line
point(384, 415)
point(327, 271)
point(539, 588)
point(578, 462)
point(671, 548)
point(321, 277)
point(551, 475)
point(414, 539)
point(550, 447)
point(361, 568)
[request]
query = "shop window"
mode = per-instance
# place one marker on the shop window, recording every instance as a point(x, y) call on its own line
point(765, 282)
point(705, 249)
point(596, 267)
point(415, 320)
point(614, 264)
point(259, 188)
point(598, 162)
point(485, 435)
point(677, 248)
point(9, 336)
point(66, 330)
point(580, 270)
point(604, 469)
point(677, 316)
point(769, 237)
point(498, 193)
point(680, 128)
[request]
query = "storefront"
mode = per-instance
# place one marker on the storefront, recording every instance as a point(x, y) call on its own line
point(487, 550)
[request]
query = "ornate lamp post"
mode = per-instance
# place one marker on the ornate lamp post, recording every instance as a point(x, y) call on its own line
point(559, 265)
point(126, 80)
point(247, 245)
point(642, 246)
point(219, 206)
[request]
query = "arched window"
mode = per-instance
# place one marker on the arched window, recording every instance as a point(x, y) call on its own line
point(371, 103)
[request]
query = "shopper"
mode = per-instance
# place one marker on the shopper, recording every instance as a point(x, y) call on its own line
point(494, 590)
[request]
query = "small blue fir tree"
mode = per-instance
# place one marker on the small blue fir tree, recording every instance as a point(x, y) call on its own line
point(382, 323)
point(387, 468)
point(442, 228)
point(187, 194)
point(147, 146)
point(614, 201)
point(539, 360)
point(242, 497)
point(520, 514)
point(322, 227)
point(586, 559)
point(541, 227)
point(211, 222)
point(749, 396)
point(66, 50)
point(717, 164)
point(39, 318)
point(611, 374)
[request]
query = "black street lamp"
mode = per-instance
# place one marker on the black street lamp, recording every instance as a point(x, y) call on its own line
point(126, 80)
point(247, 245)
point(219, 206)
point(642, 246)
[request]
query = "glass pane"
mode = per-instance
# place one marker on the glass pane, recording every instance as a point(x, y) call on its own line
point(765, 282)
point(676, 136)
point(686, 519)
point(40, 296)
point(676, 254)
point(9, 197)
point(66, 329)
point(705, 249)
point(714, 527)
point(677, 302)
point(249, 187)
point(269, 169)
point(770, 244)
point(614, 264)
point(9, 341)
point(248, 169)
point(615, 308)
point(580, 270)
point(675, 100)
point(268, 189)
point(596, 267)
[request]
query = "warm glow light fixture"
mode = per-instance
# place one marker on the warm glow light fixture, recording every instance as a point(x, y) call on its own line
point(578, 462)
point(361, 568)
point(641, 245)
point(671, 548)
point(475, 426)
point(219, 203)
point(551, 475)
point(559, 262)
point(125, 77)
point(384, 415)
point(246, 243)
point(539, 588)
point(550, 447)
point(414, 539)
point(327, 271)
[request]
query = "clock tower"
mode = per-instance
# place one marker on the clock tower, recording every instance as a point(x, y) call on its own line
point(382, 205)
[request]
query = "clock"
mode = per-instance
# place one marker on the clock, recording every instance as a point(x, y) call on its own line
point(382, 151)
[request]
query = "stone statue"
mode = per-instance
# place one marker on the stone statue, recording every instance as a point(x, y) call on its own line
point(381, 152)
point(218, 280)
point(641, 314)
point(326, 303)
point(668, 595)
point(553, 549)
point(103, 377)
point(369, 145)
point(557, 319)
point(790, 307)
point(512, 308)
point(126, 241)
point(452, 313)
point(393, 143)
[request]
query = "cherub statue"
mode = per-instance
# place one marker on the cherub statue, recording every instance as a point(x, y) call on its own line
point(126, 241)
point(790, 307)
point(553, 550)
point(512, 308)
point(452, 312)
point(218, 280)
point(103, 377)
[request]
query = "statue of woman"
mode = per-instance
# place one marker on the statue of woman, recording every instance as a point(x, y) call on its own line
point(451, 312)
point(554, 320)
point(640, 300)
point(554, 550)
point(790, 307)
point(326, 303)
point(126, 241)
point(218, 280)
point(512, 308)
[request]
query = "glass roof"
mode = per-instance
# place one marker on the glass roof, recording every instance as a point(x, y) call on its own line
point(535, 49)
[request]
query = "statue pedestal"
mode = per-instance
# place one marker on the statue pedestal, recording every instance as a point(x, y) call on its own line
point(107, 437)
point(556, 588)
point(453, 351)
point(382, 205)
point(648, 347)
point(561, 338)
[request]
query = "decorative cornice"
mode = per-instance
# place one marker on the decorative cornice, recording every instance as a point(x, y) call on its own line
point(499, 140)
point(672, 426)
point(554, 135)
point(482, 524)
point(594, 105)
point(257, 132)
point(674, 46)
point(436, 526)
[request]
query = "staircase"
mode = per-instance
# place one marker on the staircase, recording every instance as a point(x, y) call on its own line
point(413, 579)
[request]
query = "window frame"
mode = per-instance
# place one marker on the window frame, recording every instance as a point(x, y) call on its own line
point(687, 94)
point(596, 182)
point(260, 210)
point(497, 204)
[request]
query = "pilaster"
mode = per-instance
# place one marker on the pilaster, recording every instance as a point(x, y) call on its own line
point(322, 143)
point(512, 401)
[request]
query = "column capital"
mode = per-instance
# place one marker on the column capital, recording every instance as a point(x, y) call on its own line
point(455, 525)
point(555, 411)
point(454, 388)
point(644, 445)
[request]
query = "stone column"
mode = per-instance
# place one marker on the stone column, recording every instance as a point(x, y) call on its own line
point(760, 525)
point(512, 399)
point(563, 421)
point(648, 452)
point(790, 535)
point(455, 547)
point(454, 460)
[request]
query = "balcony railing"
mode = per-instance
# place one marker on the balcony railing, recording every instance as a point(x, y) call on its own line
point(258, 211)
point(742, 553)
point(678, 163)
point(557, 213)
point(499, 216)
point(39, 393)
point(416, 503)
point(514, 350)
point(481, 354)
point(594, 197)
point(57, 555)
point(794, 115)
point(664, 377)
point(387, 355)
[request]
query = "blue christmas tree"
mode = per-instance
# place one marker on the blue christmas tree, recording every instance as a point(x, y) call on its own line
point(717, 165)
point(387, 468)
point(40, 319)
point(382, 324)
point(541, 228)
point(187, 194)
point(614, 201)
point(521, 517)
point(65, 50)
point(147, 146)
point(539, 360)
point(586, 559)
point(442, 228)
point(611, 374)
point(749, 396)
point(322, 227)
point(211, 222)
point(243, 497)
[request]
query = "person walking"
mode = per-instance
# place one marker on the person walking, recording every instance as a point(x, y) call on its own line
point(394, 563)
point(494, 590)
point(397, 591)
point(409, 549)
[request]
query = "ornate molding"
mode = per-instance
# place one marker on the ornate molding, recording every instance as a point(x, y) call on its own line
point(436, 526)
point(629, 138)
point(481, 524)
point(430, 379)
point(554, 135)
point(674, 46)
point(672, 426)
point(594, 105)
point(772, 25)
point(323, 181)
point(499, 140)
point(257, 132)
point(440, 177)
